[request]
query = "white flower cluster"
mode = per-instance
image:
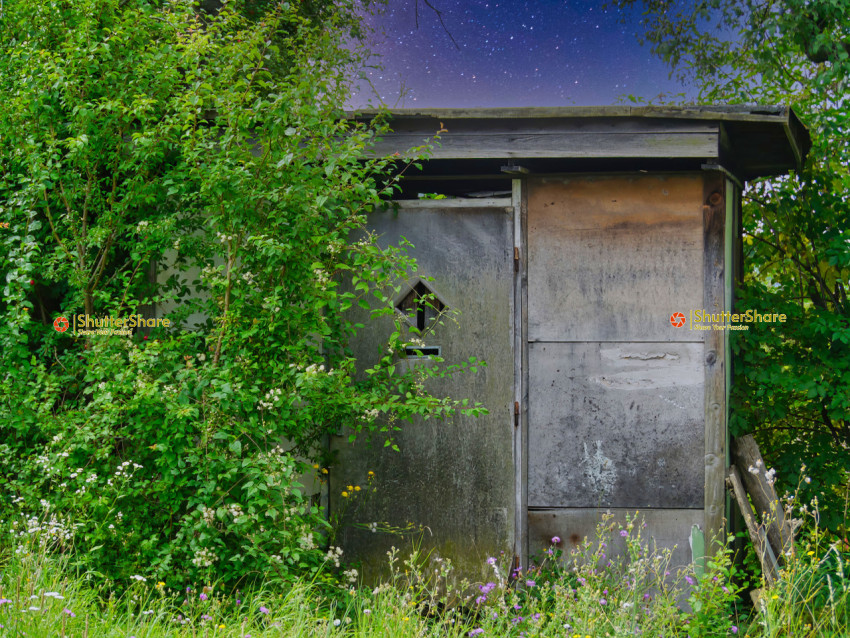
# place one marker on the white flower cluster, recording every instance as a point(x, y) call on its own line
point(248, 278)
point(141, 226)
point(204, 558)
point(321, 276)
point(208, 514)
point(350, 575)
point(306, 542)
point(334, 554)
point(272, 397)
point(225, 238)
point(126, 469)
point(234, 509)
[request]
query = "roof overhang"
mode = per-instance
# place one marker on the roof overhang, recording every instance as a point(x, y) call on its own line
point(748, 141)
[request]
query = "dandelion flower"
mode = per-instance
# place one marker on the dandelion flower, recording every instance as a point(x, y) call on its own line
point(345, 495)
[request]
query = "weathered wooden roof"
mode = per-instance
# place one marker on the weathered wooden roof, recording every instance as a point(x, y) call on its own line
point(749, 141)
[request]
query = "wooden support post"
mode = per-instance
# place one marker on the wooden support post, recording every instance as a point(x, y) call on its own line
point(780, 530)
point(714, 233)
point(769, 567)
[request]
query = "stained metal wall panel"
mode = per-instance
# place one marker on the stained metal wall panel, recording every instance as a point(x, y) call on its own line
point(453, 476)
point(668, 528)
point(612, 257)
point(615, 424)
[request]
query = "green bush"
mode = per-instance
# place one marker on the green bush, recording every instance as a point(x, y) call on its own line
point(140, 136)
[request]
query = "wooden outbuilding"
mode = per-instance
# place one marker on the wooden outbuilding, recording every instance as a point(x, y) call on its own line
point(570, 239)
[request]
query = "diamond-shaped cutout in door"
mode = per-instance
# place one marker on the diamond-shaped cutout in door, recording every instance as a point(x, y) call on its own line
point(421, 307)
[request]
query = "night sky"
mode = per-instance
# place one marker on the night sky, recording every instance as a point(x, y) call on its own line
point(512, 53)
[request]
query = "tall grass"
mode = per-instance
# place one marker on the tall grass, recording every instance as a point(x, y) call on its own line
point(586, 592)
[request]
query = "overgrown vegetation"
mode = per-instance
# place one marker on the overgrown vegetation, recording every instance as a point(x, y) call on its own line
point(210, 146)
point(592, 590)
point(792, 380)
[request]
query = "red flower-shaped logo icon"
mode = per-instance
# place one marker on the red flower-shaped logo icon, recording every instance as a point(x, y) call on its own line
point(61, 324)
point(677, 319)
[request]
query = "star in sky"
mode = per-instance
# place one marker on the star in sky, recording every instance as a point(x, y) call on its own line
point(488, 53)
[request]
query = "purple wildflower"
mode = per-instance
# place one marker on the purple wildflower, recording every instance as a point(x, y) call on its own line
point(481, 600)
point(491, 561)
point(624, 533)
point(602, 601)
point(203, 596)
point(734, 629)
point(264, 610)
point(69, 612)
point(689, 580)
point(556, 540)
point(476, 631)
point(486, 589)
point(530, 583)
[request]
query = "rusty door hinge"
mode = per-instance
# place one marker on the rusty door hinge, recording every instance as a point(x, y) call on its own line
point(516, 414)
point(516, 259)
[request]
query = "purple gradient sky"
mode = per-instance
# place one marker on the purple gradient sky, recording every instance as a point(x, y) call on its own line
point(512, 53)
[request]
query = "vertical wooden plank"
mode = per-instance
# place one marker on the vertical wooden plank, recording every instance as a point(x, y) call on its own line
point(519, 198)
point(714, 293)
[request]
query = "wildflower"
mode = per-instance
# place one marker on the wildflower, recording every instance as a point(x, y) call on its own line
point(486, 589)
point(141, 579)
point(530, 583)
point(3, 601)
point(602, 601)
point(34, 608)
point(624, 533)
point(481, 600)
point(556, 540)
point(536, 616)
point(206, 617)
point(264, 610)
point(491, 561)
point(356, 488)
point(69, 612)
point(808, 479)
point(345, 495)
point(476, 631)
point(366, 612)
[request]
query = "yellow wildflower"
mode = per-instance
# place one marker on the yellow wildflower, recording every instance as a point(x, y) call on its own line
point(356, 488)
point(345, 495)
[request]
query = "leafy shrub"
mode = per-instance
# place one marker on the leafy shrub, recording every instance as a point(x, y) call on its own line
point(140, 136)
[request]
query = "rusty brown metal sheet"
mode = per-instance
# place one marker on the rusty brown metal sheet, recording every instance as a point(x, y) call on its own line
point(610, 258)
